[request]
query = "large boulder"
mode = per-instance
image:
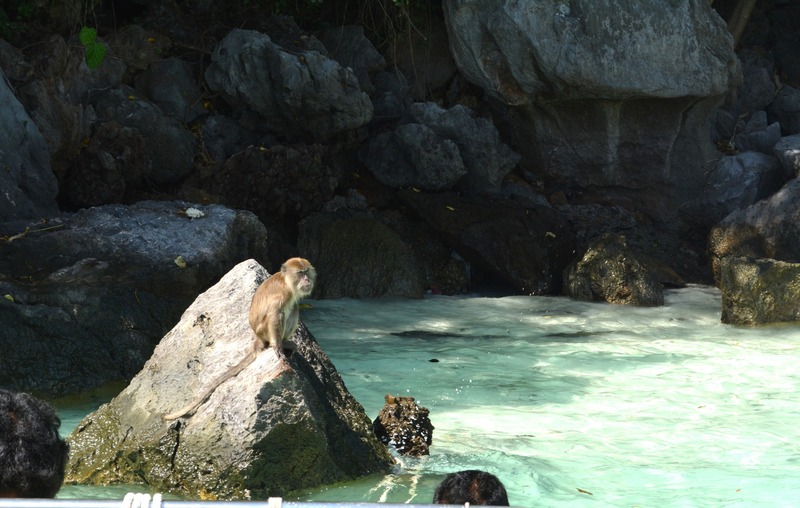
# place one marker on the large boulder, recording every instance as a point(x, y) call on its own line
point(610, 271)
point(602, 94)
point(755, 259)
point(114, 277)
point(280, 426)
point(29, 186)
point(301, 93)
point(359, 257)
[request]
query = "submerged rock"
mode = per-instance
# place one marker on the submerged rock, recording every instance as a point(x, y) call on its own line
point(279, 426)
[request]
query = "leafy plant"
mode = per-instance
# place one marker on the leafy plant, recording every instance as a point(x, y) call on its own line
point(95, 51)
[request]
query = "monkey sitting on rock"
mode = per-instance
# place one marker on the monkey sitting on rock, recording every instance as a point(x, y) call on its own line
point(274, 316)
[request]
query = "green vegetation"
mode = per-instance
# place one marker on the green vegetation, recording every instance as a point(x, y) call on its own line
point(95, 51)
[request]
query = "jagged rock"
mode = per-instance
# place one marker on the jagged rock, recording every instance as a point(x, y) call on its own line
point(350, 47)
point(297, 92)
point(279, 426)
point(522, 247)
point(112, 277)
point(404, 425)
point(757, 291)
point(413, 155)
point(486, 158)
point(610, 271)
point(755, 252)
point(757, 135)
point(385, 265)
point(170, 85)
point(757, 89)
point(170, 146)
point(137, 46)
point(29, 186)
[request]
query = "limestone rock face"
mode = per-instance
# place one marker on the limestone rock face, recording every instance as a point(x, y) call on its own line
point(602, 94)
point(278, 426)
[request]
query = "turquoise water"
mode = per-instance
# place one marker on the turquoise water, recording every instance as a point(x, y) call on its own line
point(569, 403)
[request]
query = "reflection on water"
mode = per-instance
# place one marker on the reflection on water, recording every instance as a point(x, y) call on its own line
point(571, 403)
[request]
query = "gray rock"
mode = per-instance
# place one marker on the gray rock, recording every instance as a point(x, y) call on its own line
point(112, 277)
point(29, 187)
point(170, 85)
point(757, 90)
point(279, 427)
point(602, 95)
point(610, 271)
point(787, 150)
point(350, 47)
point(300, 93)
point(786, 109)
point(586, 49)
point(486, 158)
point(413, 155)
point(755, 259)
point(223, 137)
point(757, 135)
point(170, 146)
point(738, 181)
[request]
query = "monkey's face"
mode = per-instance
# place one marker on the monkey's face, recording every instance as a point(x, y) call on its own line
point(300, 275)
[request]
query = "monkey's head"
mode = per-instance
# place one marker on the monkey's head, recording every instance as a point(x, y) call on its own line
point(300, 276)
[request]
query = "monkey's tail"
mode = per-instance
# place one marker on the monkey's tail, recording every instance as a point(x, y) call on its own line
point(205, 394)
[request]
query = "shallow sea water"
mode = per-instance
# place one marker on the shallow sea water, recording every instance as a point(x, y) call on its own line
point(569, 403)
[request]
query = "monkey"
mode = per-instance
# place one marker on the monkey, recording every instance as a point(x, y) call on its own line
point(274, 317)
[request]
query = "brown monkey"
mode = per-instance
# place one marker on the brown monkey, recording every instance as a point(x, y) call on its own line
point(274, 316)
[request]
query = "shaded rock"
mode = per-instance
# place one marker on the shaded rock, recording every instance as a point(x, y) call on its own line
point(757, 135)
point(391, 99)
point(138, 46)
point(28, 185)
point(170, 146)
point(223, 136)
point(413, 155)
point(755, 256)
point(423, 54)
point(589, 49)
point(601, 94)
point(786, 110)
point(787, 150)
point(350, 47)
point(111, 276)
point(486, 158)
point(110, 169)
point(759, 291)
point(404, 425)
point(609, 271)
point(279, 184)
point(757, 90)
point(279, 427)
point(524, 248)
point(386, 266)
point(170, 85)
point(298, 93)
point(737, 182)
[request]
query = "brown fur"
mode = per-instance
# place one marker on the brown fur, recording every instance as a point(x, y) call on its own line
point(274, 316)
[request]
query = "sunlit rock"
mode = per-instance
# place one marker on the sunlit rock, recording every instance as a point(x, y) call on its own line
point(755, 257)
point(279, 426)
point(610, 271)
